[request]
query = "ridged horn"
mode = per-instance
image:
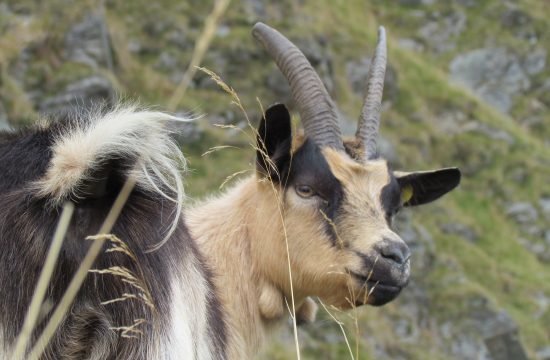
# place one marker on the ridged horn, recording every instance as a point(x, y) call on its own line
point(317, 110)
point(369, 121)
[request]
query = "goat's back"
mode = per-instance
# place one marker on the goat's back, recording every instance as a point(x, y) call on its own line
point(145, 301)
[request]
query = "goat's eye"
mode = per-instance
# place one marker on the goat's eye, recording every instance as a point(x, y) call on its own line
point(305, 191)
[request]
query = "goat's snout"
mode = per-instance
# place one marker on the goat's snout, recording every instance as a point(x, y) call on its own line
point(394, 250)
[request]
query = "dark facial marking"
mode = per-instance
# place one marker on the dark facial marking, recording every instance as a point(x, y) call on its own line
point(390, 197)
point(309, 167)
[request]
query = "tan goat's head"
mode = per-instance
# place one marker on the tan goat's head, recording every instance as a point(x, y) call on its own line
point(338, 196)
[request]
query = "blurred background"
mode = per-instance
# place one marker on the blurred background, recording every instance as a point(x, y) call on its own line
point(468, 85)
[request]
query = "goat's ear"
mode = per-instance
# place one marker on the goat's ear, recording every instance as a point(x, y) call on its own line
point(103, 181)
point(274, 143)
point(422, 187)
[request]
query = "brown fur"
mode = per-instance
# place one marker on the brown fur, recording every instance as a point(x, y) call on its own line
point(245, 233)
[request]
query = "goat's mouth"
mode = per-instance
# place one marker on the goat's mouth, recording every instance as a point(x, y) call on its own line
point(375, 292)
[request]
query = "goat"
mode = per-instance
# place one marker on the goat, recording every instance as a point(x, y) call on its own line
point(313, 221)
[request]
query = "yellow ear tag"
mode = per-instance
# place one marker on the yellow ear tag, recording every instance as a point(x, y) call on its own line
point(406, 194)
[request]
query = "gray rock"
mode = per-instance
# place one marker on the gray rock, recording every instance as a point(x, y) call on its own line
point(490, 132)
point(506, 346)
point(223, 31)
point(463, 347)
point(134, 46)
point(485, 333)
point(502, 338)
point(522, 212)
point(419, 240)
point(225, 118)
point(519, 23)
point(357, 72)
point(543, 303)
point(416, 2)
point(535, 61)
point(155, 27)
point(495, 75)
point(460, 230)
point(513, 17)
point(278, 85)
point(319, 56)
point(466, 3)
point(255, 9)
point(544, 203)
point(388, 151)
point(85, 42)
point(455, 121)
point(451, 121)
point(178, 38)
point(543, 353)
point(410, 44)
point(438, 34)
point(84, 93)
point(536, 247)
point(167, 62)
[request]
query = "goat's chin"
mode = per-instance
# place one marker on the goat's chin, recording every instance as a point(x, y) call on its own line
point(383, 294)
point(377, 295)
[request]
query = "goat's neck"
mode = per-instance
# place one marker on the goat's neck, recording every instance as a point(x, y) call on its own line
point(238, 233)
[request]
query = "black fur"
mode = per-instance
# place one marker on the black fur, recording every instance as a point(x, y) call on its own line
point(274, 140)
point(390, 197)
point(27, 224)
point(24, 157)
point(309, 167)
point(430, 185)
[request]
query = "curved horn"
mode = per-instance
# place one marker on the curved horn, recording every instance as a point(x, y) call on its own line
point(316, 108)
point(369, 121)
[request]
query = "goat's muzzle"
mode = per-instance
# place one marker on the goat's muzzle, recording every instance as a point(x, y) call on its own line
point(386, 271)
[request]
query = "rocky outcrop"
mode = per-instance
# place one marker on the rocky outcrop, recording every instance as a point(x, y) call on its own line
point(522, 212)
point(88, 42)
point(440, 32)
point(357, 72)
point(496, 75)
point(83, 93)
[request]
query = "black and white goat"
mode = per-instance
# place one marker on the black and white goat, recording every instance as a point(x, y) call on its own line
point(315, 220)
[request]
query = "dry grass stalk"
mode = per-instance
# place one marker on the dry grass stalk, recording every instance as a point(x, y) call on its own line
point(217, 148)
point(130, 332)
point(232, 176)
point(203, 42)
point(341, 325)
point(129, 278)
point(43, 281)
point(94, 250)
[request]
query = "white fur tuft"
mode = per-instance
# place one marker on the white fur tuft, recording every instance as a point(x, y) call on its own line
point(124, 132)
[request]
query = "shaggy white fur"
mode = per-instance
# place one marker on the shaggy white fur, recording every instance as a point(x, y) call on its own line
point(124, 132)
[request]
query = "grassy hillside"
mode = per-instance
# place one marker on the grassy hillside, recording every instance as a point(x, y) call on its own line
point(481, 255)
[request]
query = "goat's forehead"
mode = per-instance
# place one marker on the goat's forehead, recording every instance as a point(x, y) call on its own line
point(372, 175)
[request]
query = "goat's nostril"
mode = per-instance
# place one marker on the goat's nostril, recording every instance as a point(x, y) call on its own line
point(396, 251)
